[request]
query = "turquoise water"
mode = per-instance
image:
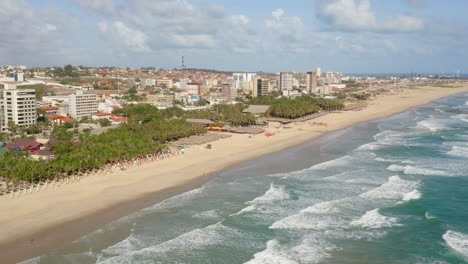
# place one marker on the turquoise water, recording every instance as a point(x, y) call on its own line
point(389, 191)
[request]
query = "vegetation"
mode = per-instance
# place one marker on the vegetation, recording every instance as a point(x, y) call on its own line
point(128, 141)
point(220, 114)
point(39, 88)
point(294, 108)
point(362, 96)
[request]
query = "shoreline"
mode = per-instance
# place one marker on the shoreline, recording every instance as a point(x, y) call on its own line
point(43, 221)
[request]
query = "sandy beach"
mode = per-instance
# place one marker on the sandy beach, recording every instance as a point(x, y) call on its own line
point(33, 224)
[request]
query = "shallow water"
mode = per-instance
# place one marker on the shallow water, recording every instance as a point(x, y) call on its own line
point(389, 191)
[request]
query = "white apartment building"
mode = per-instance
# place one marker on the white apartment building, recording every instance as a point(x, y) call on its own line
point(17, 105)
point(286, 81)
point(150, 82)
point(82, 105)
point(244, 76)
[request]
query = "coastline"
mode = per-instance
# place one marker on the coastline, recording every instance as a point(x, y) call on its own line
point(38, 222)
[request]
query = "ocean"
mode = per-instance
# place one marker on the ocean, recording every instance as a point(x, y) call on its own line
point(389, 191)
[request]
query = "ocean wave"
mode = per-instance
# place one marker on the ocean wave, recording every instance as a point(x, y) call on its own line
point(462, 117)
point(215, 234)
point(433, 124)
point(35, 260)
point(428, 216)
point(274, 193)
point(176, 201)
point(417, 170)
point(458, 152)
point(310, 250)
point(328, 207)
point(395, 188)
point(308, 221)
point(345, 160)
point(273, 254)
point(373, 219)
point(370, 146)
point(457, 241)
point(247, 209)
point(385, 160)
point(211, 214)
point(414, 195)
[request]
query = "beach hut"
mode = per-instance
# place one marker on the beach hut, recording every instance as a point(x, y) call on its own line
point(24, 145)
point(202, 122)
point(226, 128)
point(257, 109)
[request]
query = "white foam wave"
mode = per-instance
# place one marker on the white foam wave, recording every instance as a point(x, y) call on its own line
point(211, 214)
point(307, 221)
point(433, 124)
point(198, 238)
point(417, 170)
point(345, 160)
point(176, 201)
point(247, 209)
point(328, 207)
point(273, 254)
point(373, 219)
point(310, 250)
point(275, 193)
point(428, 216)
point(457, 241)
point(463, 117)
point(458, 152)
point(395, 188)
point(370, 146)
point(31, 261)
point(414, 195)
point(386, 160)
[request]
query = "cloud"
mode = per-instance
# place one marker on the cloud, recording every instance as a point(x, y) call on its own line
point(347, 15)
point(173, 24)
point(31, 35)
point(101, 7)
point(133, 39)
point(287, 28)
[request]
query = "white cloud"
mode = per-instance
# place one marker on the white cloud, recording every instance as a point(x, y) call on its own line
point(120, 33)
point(31, 35)
point(287, 28)
point(347, 15)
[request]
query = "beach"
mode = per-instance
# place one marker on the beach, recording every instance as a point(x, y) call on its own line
point(33, 224)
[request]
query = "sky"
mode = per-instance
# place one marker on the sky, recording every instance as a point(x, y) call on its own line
point(350, 36)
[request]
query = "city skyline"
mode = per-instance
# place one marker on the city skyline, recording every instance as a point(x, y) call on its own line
point(352, 36)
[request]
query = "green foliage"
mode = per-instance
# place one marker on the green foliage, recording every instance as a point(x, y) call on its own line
point(39, 88)
point(104, 122)
point(363, 96)
point(202, 102)
point(62, 133)
point(70, 81)
point(294, 108)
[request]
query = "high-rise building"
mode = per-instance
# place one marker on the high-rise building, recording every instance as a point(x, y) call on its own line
point(243, 76)
point(311, 82)
point(286, 81)
point(261, 87)
point(82, 105)
point(17, 105)
point(193, 88)
point(319, 72)
point(229, 91)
